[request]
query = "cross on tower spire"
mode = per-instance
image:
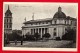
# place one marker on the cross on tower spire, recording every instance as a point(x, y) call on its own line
point(33, 16)
point(25, 19)
point(59, 9)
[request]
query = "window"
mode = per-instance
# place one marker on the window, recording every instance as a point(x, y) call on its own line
point(71, 22)
point(10, 20)
point(7, 26)
point(10, 26)
point(7, 20)
point(67, 21)
point(54, 28)
point(55, 22)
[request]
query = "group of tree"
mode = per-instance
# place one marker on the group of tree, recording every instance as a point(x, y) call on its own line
point(70, 35)
point(12, 37)
point(36, 36)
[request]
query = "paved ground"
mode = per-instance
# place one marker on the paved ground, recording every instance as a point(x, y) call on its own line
point(45, 44)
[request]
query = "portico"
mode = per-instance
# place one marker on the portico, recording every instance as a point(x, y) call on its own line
point(32, 31)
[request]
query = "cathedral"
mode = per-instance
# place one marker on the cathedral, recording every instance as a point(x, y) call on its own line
point(8, 22)
point(55, 26)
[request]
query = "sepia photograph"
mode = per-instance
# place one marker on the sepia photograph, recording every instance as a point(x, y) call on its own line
point(40, 26)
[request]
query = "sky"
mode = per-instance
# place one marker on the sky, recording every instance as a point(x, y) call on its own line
point(22, 10)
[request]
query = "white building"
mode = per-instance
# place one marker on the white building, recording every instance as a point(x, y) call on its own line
point(55, 26)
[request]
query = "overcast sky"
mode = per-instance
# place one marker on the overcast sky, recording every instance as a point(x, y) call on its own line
point(40, 10)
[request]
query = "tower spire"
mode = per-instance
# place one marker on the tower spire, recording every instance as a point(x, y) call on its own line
point(8, 7)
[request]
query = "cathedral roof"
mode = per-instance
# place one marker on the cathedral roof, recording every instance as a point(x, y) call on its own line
point(38, 20)
point(59, 14)
point(70, 18)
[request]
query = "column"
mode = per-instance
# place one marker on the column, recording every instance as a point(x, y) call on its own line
point(38, 30)
point(41, 32)
point(35, 30)
point(44, 30)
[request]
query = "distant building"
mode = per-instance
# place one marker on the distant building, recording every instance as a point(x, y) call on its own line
point(8, 22)
point(55, 26)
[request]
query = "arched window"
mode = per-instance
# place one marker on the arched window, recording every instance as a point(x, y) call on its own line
point(55, 22)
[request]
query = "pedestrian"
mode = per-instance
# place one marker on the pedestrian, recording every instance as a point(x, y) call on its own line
point(22, 40)
point(15, 42)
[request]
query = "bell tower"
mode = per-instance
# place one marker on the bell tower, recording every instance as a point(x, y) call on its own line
point(8, 21)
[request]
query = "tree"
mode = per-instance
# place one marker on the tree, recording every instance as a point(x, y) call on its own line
point(14, 36)
point(70, 35)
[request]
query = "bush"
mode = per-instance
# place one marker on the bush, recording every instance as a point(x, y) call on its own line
point(46, 35)
point(37, 36)
point(29, 37)
point(58, 38)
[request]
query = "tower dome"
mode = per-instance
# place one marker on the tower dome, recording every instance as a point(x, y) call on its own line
point(59, 14)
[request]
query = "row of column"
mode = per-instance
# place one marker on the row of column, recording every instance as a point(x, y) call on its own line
point(40, 31)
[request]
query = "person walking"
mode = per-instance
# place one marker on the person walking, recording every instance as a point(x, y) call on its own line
point(22, 40)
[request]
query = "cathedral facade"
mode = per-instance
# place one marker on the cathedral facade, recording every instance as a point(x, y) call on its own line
point(55, 26)
point(8, 22)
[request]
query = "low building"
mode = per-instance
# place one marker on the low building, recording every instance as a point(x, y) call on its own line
point(55, 26)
